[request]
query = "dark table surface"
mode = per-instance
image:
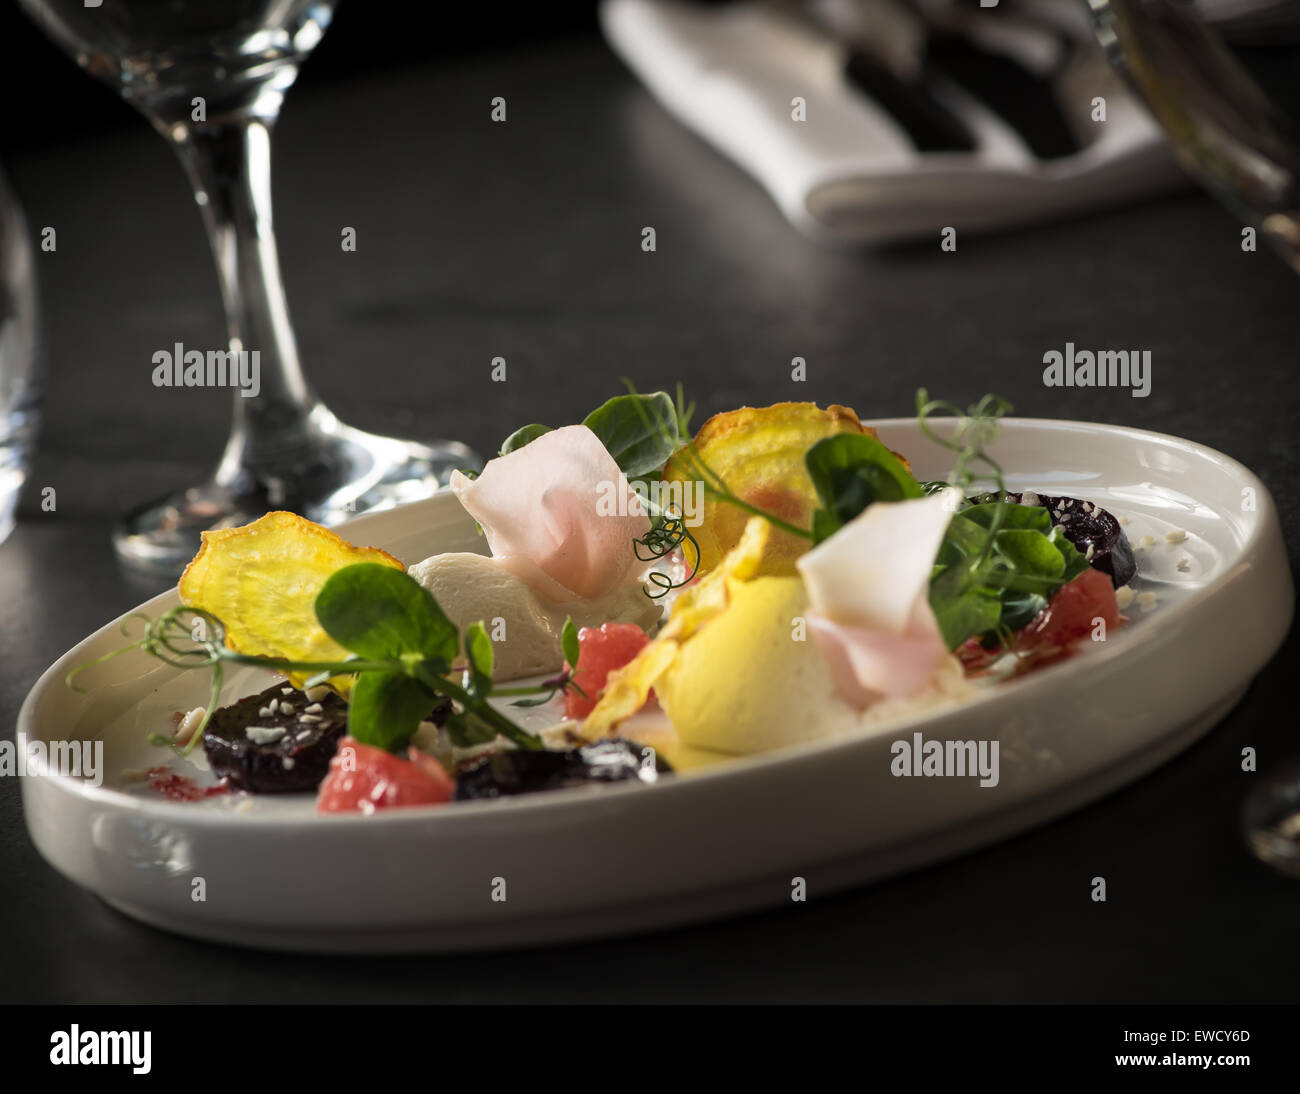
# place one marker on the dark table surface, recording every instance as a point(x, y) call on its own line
point(522, 240)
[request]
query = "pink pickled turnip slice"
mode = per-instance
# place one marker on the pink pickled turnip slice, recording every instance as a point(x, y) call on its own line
point(559, 513)
point(868, 588)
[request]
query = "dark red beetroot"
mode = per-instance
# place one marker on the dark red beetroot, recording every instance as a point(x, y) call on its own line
point(611, 759)
point(297, 761)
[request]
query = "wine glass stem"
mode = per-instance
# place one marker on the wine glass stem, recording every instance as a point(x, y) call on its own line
point(229, 166)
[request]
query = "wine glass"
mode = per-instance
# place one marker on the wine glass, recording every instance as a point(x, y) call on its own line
point(1223, 78)
point(211, 76)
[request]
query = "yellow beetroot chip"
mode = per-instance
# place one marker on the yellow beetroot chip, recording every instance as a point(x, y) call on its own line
point(261, 581)
point(759, 452)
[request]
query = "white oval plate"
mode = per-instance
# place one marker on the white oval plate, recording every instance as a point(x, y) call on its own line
point(594, 861)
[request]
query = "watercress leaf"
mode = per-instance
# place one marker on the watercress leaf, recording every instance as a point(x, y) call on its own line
point(386, 708)
point(1018, 609)
point(850, 471)
point(1008, 578)
point(1075, 562)
point(1030, 552)
point(382, 613)
point(962, 538)
point(1015, 516)
point(569, 643)
point(962, 613)
point(639, 431)
point(522, 436)
point(481, 657)
point(465, 729)
point(824, 524)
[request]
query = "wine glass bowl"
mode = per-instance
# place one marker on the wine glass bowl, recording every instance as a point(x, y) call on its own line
point(239, 56)
point(1223, 79)
point(211, 76)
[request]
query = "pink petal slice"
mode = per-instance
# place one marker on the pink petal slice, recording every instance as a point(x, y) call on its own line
point(559, 506)
point(867, 665)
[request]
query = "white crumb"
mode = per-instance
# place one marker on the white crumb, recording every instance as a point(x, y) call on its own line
point(189, 725)
point(264, 735)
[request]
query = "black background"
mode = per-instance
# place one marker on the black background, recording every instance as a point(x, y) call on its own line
point(523, 240)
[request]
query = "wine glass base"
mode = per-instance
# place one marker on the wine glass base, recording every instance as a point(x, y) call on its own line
point(343, 475)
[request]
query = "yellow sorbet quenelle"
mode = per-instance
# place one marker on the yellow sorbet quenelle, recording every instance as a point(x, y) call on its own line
point(727, 667)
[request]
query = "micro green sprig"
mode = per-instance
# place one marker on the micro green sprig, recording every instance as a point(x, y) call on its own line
point(974, 429)
point(999, 562)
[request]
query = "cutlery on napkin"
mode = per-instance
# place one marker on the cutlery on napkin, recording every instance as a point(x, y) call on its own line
point(874, 121)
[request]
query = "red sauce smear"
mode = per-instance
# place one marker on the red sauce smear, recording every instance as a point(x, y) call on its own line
point(181, 788)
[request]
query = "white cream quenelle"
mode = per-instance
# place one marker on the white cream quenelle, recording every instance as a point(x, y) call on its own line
point(560, 519)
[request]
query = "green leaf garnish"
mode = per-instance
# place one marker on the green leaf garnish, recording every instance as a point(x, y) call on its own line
point(1007, 515)
point(377, 611)
point(1029, 552)
point(962, 607)
point(522, 436)
point(386, 708)
point(467, 731)
point(850, 471)
point(639, 431)
point(1075, 563)
point(569, 642)
point(999, 562)
point(1019, 609)
point(481, 657)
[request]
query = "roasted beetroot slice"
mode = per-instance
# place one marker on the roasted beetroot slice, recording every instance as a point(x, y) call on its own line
point(296, 761)
point(504, 774)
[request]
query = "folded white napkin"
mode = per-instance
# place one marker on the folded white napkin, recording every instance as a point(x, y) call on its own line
point(848, 172)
